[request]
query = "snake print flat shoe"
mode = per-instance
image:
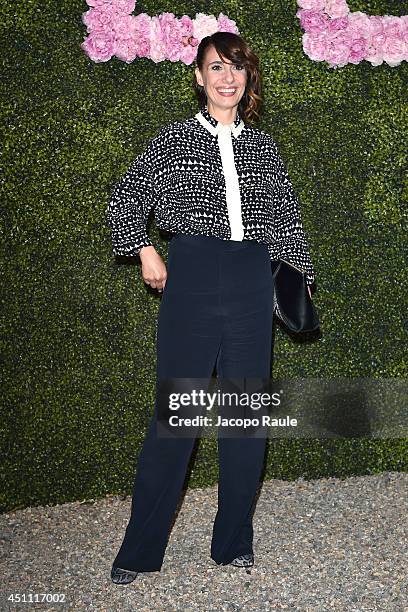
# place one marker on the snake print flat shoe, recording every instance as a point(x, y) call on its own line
point(122, 576)
point(243, 561)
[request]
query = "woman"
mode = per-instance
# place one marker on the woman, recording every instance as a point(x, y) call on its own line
point(219, 185)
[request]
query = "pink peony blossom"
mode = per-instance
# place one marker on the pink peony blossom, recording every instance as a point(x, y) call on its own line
point(394, 50)
point(336, 8)
point(204, 25)
point(358, 50)
point(157, 45)
point(338, 23)
point(392, 26)
point(97, 20)
point(100, 46)
point(226, 25)
point(142, 34)
point(172, 34)
point(187, 26)
point(315, 45)
point(313, 22)
point(359, 23)
point(375, 25)
point(125, 6)
point(189, 53)
point(126, 49)
point(338, 48)
point(124, 27)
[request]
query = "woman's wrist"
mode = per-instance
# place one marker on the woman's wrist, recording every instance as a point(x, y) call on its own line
point(143, 249)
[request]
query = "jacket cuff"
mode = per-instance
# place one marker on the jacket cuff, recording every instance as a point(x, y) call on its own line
point(131, 249)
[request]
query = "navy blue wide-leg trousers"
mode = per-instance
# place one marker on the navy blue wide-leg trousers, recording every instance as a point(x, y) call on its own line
point(216, 310)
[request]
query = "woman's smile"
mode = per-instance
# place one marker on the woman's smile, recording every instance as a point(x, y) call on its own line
point(227, 91)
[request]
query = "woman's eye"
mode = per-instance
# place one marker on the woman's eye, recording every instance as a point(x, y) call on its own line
point(237, 66)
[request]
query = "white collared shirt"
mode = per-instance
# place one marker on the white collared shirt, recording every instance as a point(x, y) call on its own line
point(224, 134)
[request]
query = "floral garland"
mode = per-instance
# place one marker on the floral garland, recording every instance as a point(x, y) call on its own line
point(331, 33)
point(339, 37)
point(114, 31)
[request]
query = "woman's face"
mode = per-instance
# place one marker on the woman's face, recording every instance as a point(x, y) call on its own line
point(223, 82)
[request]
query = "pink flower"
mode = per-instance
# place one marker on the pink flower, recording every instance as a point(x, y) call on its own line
point(394, 50)
point(375, 25)
point(359, 23)
point(226, 25)
point(126, 49)
point(189, 53)
point(157, 46)
point(338, 23)
point(336, 8)
point(331, 33)
point(374, 55)
point(124, 27)
point(338, 36)
point(100, 46)
point(204, 25)
point(171, 30)
point(125, 6)
point(142, 24)
point(186, 24)
point(315, 46)
point(338, 48)
point(358, 50)
point(376, 39)
point(97, 20)
point(392, 26)
point(313, 22)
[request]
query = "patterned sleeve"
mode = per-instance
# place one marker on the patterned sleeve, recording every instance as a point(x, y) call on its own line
point(290, 244)
point(131, 201)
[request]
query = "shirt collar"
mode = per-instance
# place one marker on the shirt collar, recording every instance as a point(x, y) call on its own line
point(214, 126)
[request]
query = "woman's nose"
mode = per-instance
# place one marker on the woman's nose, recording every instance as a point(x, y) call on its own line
point(229, 77)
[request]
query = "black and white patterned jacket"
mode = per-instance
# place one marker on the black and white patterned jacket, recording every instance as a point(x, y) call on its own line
point(201, 177)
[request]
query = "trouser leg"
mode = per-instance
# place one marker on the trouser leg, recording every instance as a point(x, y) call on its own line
point(187, 346)
point(245, 352)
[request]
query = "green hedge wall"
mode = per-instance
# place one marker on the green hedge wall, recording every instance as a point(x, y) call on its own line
point(79, 327)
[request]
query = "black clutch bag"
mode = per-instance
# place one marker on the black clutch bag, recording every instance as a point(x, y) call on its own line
point(292, 302)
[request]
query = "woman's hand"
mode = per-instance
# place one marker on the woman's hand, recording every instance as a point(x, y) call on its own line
point(308, 288)
point(154, 270)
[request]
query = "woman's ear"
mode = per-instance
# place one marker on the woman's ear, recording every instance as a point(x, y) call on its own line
point(198, 76)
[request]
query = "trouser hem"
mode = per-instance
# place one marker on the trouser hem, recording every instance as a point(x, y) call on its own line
point(136, 569)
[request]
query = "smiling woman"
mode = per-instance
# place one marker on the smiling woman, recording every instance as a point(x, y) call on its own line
point(221, 79)
point(218, 184)
point(227, 75)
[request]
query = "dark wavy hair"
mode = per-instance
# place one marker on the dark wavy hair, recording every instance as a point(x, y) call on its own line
point(236, 50)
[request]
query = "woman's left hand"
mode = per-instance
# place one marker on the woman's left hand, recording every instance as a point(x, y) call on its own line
point(308, 288)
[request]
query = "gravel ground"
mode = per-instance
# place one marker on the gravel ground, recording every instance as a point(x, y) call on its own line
point(319, 545)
